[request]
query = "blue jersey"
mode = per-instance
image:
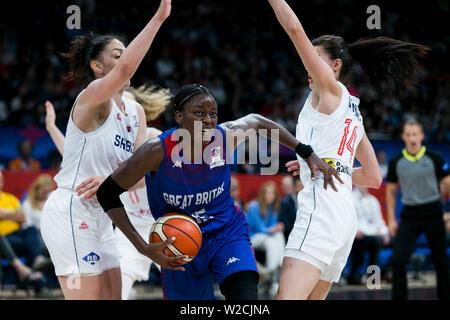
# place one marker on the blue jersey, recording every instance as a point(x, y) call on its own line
point(201, 190)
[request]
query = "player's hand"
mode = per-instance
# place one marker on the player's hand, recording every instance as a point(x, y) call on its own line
point(293, 167)
point(156, 252)
point(50, 116)
point(392, 225)
point(89, 187)
point(316, 164)
point(164, 9)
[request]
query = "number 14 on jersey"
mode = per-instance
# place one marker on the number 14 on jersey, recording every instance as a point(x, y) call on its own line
point(348, 143)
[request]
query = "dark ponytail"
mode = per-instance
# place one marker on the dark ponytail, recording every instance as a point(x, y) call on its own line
point(84, 49)
point(389, 61)
point(386, 61)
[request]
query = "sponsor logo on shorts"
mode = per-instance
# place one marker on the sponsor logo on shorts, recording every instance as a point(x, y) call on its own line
point(92, 258)
point(233, 260)
point(83, 226)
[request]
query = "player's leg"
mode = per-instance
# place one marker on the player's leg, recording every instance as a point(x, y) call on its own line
point(320, 291)
point(405, 242)
point(110, 261)
point(234, 263)
point(111, 284)
point(299, 276)
point(76, 287)
point(435, 232)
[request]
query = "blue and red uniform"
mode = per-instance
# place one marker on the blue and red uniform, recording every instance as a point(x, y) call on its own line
point(202, 191)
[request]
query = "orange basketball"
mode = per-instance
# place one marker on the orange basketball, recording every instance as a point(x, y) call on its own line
point(188, 237)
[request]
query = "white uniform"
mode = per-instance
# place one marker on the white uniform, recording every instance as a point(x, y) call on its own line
point(136, 205)
point(77, 233)
point(325, 225)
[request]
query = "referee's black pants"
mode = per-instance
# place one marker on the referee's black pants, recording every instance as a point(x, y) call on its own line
point(405, 242)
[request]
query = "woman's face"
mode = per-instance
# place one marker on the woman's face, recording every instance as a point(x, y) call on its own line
point(110, 58)
point(201, 110)
point(270, 194)
point(325, 57)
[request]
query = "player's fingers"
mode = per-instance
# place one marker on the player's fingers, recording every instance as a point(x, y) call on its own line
point(82, 184)
point(331, 181)
point(313, 174)
point(337, 175)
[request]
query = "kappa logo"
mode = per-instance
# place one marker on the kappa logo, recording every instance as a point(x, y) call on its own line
point(92, 258)
point(177, 164)
point(233, 260)
point(119, 117)
point(83, 226)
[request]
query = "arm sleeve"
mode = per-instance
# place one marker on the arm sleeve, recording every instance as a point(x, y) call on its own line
point(441, 166)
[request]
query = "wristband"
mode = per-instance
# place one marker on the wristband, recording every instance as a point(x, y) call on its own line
point(108, 194)
point(304, 150)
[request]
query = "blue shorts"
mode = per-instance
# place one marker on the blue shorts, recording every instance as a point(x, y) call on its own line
point(222, 253)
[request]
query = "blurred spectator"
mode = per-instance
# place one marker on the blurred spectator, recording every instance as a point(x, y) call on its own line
point(289, 205)
point(234, 191)
point(26, 276)
point(25, 241)
point(266, 231)
point(37, 194)
point(24, 162)
point(372, 232)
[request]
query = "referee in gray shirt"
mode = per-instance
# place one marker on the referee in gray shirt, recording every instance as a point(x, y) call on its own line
point(418, 172)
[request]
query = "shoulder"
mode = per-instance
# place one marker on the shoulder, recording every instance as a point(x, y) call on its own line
point(253, 205)
point(435, 155)
point(153, 132)
point(395, 158)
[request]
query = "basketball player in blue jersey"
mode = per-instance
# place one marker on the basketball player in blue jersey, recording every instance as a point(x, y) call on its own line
point(200, 188)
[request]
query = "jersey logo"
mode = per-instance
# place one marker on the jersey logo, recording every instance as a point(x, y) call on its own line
point(216, 159)
point(177, 164)
point(128, 128)
point(92, 258)
point(329, 161)
point(119, 117)
point(83, 226)
point(136, 123)
point(123, 143)
point(233, 260)
point(200, 217)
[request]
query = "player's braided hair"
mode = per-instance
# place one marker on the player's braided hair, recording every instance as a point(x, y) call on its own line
point(84, 49)
point(387, 62)
point(186, 93)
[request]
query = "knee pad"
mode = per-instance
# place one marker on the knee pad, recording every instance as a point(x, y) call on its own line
point(242, 285)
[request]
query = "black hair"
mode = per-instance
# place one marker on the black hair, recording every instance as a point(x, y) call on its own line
point(385, 61)
point(84, 49)
point(186, 93)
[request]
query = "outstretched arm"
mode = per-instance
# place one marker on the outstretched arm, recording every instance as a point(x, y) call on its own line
point(100, 90)
point(55, 133)
point(147, 158)
point(319, 70)
point(253, 123)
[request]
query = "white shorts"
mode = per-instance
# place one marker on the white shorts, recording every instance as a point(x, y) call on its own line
point(324, 229)
point(133, 263)
point(78, 234)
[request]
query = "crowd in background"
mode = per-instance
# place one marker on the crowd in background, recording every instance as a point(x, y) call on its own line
point(246, 59)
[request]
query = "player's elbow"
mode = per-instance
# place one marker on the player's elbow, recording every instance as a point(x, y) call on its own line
point(377, 180)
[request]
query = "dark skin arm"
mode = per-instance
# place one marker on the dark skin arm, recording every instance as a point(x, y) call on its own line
point(147, 158)
point(256, 122)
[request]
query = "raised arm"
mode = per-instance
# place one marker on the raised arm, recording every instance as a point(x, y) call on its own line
point(369, 174)
point(52, 129)
point(244, 127)
point(319, 70)
point(100, 90)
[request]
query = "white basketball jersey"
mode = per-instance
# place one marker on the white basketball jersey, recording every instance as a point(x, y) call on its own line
point(100, 152)
point(333, 137)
